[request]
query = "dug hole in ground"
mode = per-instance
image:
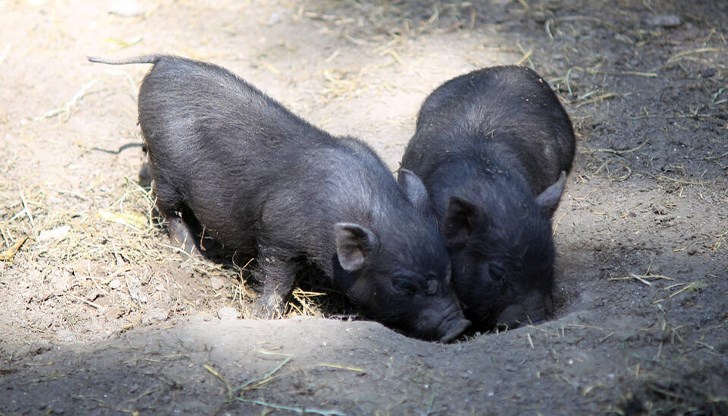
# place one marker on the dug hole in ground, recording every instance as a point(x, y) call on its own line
point(100, 315)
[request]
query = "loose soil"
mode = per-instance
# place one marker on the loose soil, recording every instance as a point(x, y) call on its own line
point(99, 314)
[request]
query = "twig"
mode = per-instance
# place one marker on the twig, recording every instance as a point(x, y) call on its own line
point(605, 96)
point(88, 302)
point(65, 108)
point(342, 367)
point(26, 209)
point(299, 410)
point(621, 152)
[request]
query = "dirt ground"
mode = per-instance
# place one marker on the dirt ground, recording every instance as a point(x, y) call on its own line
point(100, 315)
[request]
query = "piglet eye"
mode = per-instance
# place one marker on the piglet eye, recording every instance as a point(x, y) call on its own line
point(496, 272)
point(404, 285)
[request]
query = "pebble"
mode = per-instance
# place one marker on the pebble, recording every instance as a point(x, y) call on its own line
point(126, 8)
point(227, 313)
point(664, 20)
point(114, 312)
point(155, 314)
point(708, 73)
point(216, 283)
point(54, 234)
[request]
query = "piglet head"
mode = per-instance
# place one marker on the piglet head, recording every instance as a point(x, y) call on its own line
point(400, 274)
point(503, 257)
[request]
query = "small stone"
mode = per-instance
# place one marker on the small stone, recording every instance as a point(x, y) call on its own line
point(708, 73)
point(155, 315)
point(57, 233)
point(93, 294)
point(115, 284)
point(216, 283)
point(664, 20)
point(126, 8)
point(59, 280)
point(539, 17)
point(65, 335)
point(275, 18)
point(114, 312)
point(227, 313)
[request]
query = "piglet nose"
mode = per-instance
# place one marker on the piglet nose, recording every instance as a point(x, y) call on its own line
point(456, 327)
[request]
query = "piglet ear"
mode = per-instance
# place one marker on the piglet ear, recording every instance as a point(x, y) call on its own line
point(414, 189)
point(549, 198)
point(354, 244)
point(460, 221)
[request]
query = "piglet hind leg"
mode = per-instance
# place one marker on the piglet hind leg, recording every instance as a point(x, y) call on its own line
point(182, 235)
point(182, 226)
point(279, 275)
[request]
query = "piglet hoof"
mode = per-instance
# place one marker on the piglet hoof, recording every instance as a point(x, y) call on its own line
point(269, 307)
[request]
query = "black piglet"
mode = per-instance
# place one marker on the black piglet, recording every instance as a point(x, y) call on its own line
point(493, 148)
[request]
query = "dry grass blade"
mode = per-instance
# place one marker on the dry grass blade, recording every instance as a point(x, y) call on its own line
point(693, 393)
point(341, 83)
point(26, 209)
point(624, 166)
point(635, 74)
point(642, 278)
point(621, 152)
point(307, 306)
point(299, 410)
point(65, 108)
point(262, 380)
point(695, 286)
point(219, 376)
point(551, 22)
point(124, 43)
point(598, 98)
point(526, 56)
point(9, 254)
point(343, 367)
point(692, 287)
point(683, 54)
point(130, 219)
point(4, 54)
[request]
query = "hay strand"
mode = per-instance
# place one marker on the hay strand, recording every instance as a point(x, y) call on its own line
point(683, 54)
point(66, 108)
point(298, 410)
point(262, 380)
point(9, 254)
point(343, 367)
